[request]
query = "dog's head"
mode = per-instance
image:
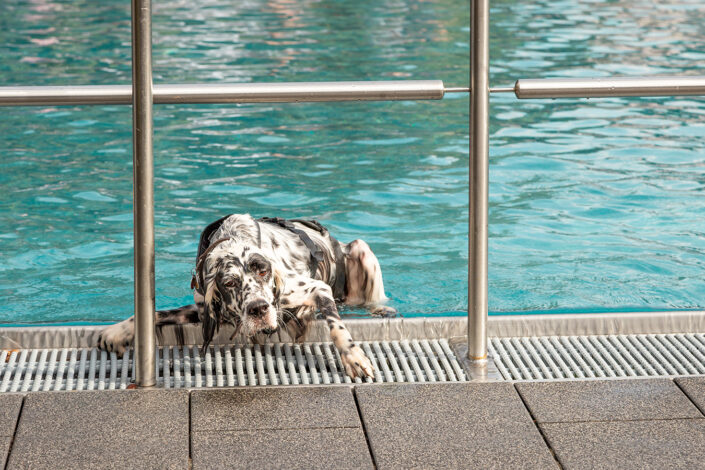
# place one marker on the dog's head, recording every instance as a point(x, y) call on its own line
point(241, 286)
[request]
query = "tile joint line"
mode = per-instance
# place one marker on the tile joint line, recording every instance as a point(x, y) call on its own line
point(538, 428)
point(701, 410)
point(364, 428)
point(14, 434)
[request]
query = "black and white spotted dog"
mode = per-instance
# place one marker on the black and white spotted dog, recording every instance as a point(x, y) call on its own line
point(259, 275)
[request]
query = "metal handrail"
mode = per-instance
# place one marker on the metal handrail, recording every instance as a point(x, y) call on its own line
point(391, 90)
point(282, 92)
point(478, 194)
point(143, 186)
point(608, 87)
point(479, 121)
point(146, 94)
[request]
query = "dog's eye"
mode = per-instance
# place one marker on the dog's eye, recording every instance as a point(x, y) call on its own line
point(231, 283)
point(262, 272)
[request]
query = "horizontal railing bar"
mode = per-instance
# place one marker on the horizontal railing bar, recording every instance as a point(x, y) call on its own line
point(609, 87)
point(393, 90)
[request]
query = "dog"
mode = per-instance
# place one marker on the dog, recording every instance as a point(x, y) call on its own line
point(270, 273)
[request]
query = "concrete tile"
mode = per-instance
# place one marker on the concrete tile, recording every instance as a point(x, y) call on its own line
point(273, 408)
point(339, 448)
point(606, 400)
point(694, 387)
point(628, 444)
point(10, 405)
point(450, 426)
point(107, 429)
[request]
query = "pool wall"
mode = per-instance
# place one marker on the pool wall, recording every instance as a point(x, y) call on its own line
point(397, 329)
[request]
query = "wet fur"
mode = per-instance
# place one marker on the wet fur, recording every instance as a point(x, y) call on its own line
point(239, 274)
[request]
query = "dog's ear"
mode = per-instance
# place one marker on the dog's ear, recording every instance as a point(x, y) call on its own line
point(278, 283)
point(212, 313)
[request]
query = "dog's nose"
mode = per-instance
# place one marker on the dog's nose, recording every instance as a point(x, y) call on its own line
point(257, 308)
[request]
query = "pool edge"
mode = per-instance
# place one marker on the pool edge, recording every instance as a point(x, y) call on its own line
point(399, 329)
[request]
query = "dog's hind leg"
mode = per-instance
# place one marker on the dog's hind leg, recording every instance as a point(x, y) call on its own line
point(363, 279)
point(118, 337)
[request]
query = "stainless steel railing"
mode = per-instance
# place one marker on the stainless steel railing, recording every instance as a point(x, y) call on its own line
point(479, 182)
point(479, 120)
point(608, 87)
point(295, 92)
point(142, 94)
point(143, 187)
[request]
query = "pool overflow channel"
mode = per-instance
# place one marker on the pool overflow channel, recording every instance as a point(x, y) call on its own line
point(412, 361)
point(143, 94)
point(517, 359)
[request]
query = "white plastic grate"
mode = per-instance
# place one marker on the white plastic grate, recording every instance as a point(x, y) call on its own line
point(226, 366)
point(597, 357)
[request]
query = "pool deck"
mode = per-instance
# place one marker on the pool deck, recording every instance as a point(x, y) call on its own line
point(636, 423)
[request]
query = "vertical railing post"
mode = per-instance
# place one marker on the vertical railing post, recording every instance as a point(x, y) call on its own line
point(143, 202)
point(479, 181)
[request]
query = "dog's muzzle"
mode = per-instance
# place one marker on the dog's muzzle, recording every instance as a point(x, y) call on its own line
point(262, 315)
point(257, 309)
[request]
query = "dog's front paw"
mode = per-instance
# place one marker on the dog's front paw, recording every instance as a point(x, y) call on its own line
point(384, 311)
point(356, 363)
point(116, 338)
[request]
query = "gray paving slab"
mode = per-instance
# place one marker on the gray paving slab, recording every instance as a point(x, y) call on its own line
point(273, 408)
point(628, 445)
point(450, 426)
point(327, 448)
point(107, 429)
point(694, 387)
point(10, 404)
point(606, 400)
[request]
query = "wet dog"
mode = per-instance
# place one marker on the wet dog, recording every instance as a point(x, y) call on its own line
point(262, 275)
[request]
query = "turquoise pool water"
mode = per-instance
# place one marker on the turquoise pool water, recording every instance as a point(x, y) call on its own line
point(595, 205)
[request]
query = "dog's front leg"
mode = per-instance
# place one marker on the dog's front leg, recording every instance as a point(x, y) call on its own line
point(318, 294)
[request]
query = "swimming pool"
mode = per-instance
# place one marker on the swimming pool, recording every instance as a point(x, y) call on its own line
point(595, 205)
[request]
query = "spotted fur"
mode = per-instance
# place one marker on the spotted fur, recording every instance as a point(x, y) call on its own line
point(257, 277)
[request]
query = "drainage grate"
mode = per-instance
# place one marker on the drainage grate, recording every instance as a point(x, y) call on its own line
point(595, 357)
point(226, 366)
point(520, 359)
